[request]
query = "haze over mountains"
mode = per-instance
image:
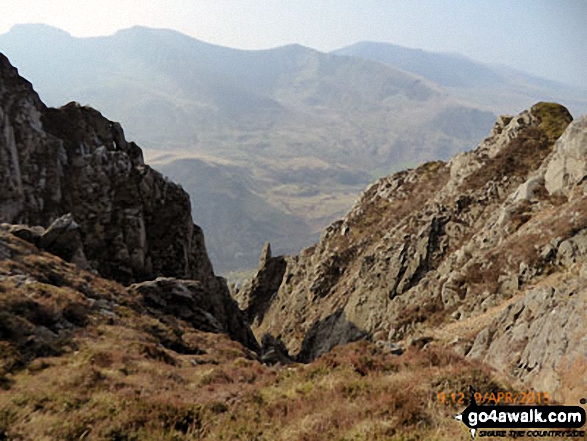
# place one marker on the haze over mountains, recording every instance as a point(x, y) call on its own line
point(497, 88)
point(273, 144)
point(113, 324)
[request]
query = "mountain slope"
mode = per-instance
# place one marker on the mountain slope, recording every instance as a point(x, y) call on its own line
point(498, 88)
point(276, 113)
point(237, 221)
point(474, 254)
point(84, 357)
point(133, 222)
point(447, 70)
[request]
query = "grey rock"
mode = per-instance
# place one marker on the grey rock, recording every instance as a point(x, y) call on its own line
point(273, 351)
point(135, 225)
point(25, 232)
point(255, 297)
point(569, 163)
point(207, 307)
point(63, 238)
point(325, 334)
point(538, 339)
point(390, 347)
point(573, 249)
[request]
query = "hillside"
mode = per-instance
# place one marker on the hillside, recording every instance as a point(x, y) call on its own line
point(497, 88)
point(113, 325)
point(303, 130)
point(485, 254)
point(83, 357)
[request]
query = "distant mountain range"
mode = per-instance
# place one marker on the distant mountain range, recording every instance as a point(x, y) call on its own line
point(496, 88)
point(272, 144)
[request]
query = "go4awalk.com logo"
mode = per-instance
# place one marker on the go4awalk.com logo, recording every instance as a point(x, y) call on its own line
point(546, 421)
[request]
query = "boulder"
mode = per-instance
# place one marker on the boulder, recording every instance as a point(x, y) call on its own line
point(207, 307)
point(568, 165)
point(63, 238)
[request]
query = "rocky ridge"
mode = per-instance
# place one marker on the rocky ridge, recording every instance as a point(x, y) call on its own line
point(441, 253)
point(73, 186)
point(135, 224)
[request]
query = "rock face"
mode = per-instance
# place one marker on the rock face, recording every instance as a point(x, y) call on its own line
point(541, 338)
point(210, 310)
point(441, 250)
point(569, 163)
point(77, 189)
point(134, 224)
point(256, 297)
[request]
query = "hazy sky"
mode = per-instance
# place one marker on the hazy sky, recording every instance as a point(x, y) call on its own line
point(543, 37)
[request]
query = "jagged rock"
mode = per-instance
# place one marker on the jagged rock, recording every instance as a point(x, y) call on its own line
point(569, 163)
point(273, 351)
point(539, 339)
point(255, 297)
point(135, 225)
point(25, 232)
point(325, 334)
point(427, 251)
point(529, 189)
point(63, 239)
point(391, 347)
point(265, 255)
point(573, 249)
point(206, 307)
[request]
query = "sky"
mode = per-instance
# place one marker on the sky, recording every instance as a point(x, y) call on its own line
point(543, 37)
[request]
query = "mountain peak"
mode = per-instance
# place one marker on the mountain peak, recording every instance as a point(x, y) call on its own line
point(38, 29)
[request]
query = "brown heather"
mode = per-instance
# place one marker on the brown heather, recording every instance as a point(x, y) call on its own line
point(111, 376)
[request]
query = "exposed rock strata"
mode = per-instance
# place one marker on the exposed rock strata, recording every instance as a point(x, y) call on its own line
point(76, 188)
point(440, 250)
point(210, 310)
point(135, 225)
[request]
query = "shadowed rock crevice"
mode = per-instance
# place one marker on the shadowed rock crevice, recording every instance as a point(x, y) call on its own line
point(255, 298)
point(325, 334)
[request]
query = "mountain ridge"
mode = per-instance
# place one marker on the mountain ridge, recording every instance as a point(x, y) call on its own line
point(471, 80)
point(473, 254)
point(256, 109)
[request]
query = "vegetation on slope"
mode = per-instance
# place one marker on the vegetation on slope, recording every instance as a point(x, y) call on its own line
point(82, 359)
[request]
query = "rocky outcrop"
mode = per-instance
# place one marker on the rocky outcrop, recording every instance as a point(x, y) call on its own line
point(569, 163)
point(135, 225)
point(273, 351)
point(540, 339)
point(435, 255)
point(73, 186)
point(255, 298)
point(328, 333)
point(206, 308)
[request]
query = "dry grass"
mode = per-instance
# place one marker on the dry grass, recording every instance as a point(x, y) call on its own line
point(116, 377)
point(522, 155)
point(354, 393)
